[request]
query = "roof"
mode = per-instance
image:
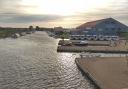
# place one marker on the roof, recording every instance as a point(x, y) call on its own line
point(91, 24)
point(58, 29)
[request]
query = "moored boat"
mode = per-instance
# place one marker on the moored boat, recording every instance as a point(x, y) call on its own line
point(88, 55)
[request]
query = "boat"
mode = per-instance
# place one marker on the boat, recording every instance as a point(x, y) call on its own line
point(88, 55)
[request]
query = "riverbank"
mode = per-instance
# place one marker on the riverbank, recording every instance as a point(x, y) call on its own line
point(14, 33)
point(120, 47)
point(97, 49)
point(107, 73)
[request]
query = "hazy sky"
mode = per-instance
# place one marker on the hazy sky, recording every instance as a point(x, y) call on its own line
point(66, 13)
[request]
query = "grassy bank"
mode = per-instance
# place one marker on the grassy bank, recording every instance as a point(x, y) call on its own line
point(7, 32)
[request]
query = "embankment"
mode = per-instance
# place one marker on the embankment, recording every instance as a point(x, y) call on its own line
point(107, 73)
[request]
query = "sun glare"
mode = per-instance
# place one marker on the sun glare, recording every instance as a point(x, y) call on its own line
point(63, 7)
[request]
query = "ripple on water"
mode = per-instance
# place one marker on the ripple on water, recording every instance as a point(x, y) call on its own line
point(31, 62)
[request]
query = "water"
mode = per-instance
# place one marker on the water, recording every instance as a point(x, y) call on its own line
point(31, 62)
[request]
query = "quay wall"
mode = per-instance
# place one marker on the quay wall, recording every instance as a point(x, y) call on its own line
point(90, 49)
point(87, 73)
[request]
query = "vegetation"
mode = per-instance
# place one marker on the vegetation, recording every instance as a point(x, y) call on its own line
point(30, 28)
point(44, 29)
point(6, 33)
point(37, 28)
point(65, 35)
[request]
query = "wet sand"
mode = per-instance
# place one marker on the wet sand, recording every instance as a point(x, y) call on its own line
point(107, 73)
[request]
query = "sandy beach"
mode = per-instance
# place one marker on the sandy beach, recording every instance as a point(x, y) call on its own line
point(108, 73)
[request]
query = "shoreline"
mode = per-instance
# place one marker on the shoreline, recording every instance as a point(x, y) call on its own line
point(86, 73)
point(93, 46)
point(106, 73)
point(93, 49)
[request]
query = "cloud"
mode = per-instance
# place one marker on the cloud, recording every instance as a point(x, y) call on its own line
point(26, 18)
point(9, 6)
point(117, 10)
point(13, 12)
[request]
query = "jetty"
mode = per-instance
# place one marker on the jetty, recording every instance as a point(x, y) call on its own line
point(95, 47)
point(106, 72)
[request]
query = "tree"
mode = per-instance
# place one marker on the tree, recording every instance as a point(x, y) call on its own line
point(37, 28)
point(30, 28)
point(65, 35)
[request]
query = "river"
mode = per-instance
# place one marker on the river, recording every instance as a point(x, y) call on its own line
point(31, 62)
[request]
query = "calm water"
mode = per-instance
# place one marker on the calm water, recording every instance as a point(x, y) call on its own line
point(31, 62)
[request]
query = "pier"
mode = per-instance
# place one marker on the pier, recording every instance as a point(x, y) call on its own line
point(106, 72)
point(96, 47)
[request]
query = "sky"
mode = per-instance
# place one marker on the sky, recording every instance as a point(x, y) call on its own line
point(65, 13)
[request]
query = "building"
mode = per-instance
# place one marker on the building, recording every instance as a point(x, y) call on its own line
point(99, 29)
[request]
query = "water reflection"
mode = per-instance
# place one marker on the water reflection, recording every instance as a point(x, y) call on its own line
point(31, 62)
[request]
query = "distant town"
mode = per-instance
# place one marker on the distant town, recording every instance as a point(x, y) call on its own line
point(104, 29)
